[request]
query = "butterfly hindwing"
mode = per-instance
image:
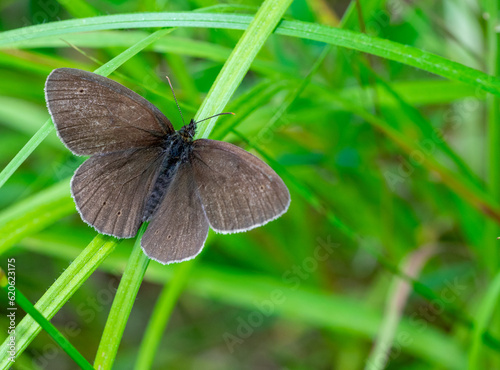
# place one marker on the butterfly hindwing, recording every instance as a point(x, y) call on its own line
point(179, 227)
point(95, 115)
point(110, 190)
point(238, 191)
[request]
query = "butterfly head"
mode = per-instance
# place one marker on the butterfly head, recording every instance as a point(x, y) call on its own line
point(187, 132)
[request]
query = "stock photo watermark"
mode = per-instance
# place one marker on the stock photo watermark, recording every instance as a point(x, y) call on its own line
point(87, 312)
point(419, 320)
point(426, 147)
point(293, 278)
point(49, 11)
point(11, 308)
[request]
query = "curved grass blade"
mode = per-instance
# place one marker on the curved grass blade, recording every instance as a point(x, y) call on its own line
point(46, 325)
point(340, 37)
point(26, 150)
point(122, 305)
point(34, 214)
point(161, 315)
point(238, 63)
point(484, 315)
point(58, 294)
point(491, 255)
point(48, 126)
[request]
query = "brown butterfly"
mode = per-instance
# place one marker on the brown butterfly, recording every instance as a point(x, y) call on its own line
point(140, 169)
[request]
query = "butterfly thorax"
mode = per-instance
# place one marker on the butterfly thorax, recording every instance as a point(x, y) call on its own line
point(177, 149)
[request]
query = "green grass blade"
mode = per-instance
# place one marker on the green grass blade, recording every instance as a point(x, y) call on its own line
point(48, 126)
point(161, 315)
point(492, 255)
point(273, 123)
point(18, 114)
point(59, 293)
point(426, 129)
point(120, 59)
point(34, 214)
point(239, 62)
point(352, 40)
point(79, 8)
point(484, 315)
point(122, 305)
point(248, 102)
point(322, 309)
point(45, 324)
point(25, 152)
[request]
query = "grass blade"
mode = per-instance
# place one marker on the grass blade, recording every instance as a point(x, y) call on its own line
point(34, 214)
point(484, 315)
point(239, 61)
point(122, 305)
point(46, 325)
point(59, 293)
point(25, 152)
point(491, 255)
point(48, 126)
point(161, 315)
point(223, 88)
point(348, 39)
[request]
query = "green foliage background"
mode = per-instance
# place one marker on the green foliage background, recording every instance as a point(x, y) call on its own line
point(383, 120)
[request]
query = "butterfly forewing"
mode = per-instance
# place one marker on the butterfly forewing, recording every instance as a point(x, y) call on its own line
point(179, 227)
point(238, 191)
point(110, 190)
point(94, 114)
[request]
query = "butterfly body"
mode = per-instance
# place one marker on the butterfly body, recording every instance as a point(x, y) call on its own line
point(177, 149)
point(140, 169)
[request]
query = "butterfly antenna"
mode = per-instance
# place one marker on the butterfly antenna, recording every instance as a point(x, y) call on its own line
point(173, 93)
point(215, 115)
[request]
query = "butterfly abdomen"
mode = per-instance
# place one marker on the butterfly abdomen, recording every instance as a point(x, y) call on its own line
point(176, 153)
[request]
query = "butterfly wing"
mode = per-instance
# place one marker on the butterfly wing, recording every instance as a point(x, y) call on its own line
point(95, 115)
point(110, 190)
point(238, 191)
point(179, 227)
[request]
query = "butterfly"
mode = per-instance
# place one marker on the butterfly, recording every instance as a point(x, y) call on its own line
point(141, 170)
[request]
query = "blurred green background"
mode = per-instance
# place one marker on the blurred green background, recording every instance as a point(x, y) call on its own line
point(392, 170)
